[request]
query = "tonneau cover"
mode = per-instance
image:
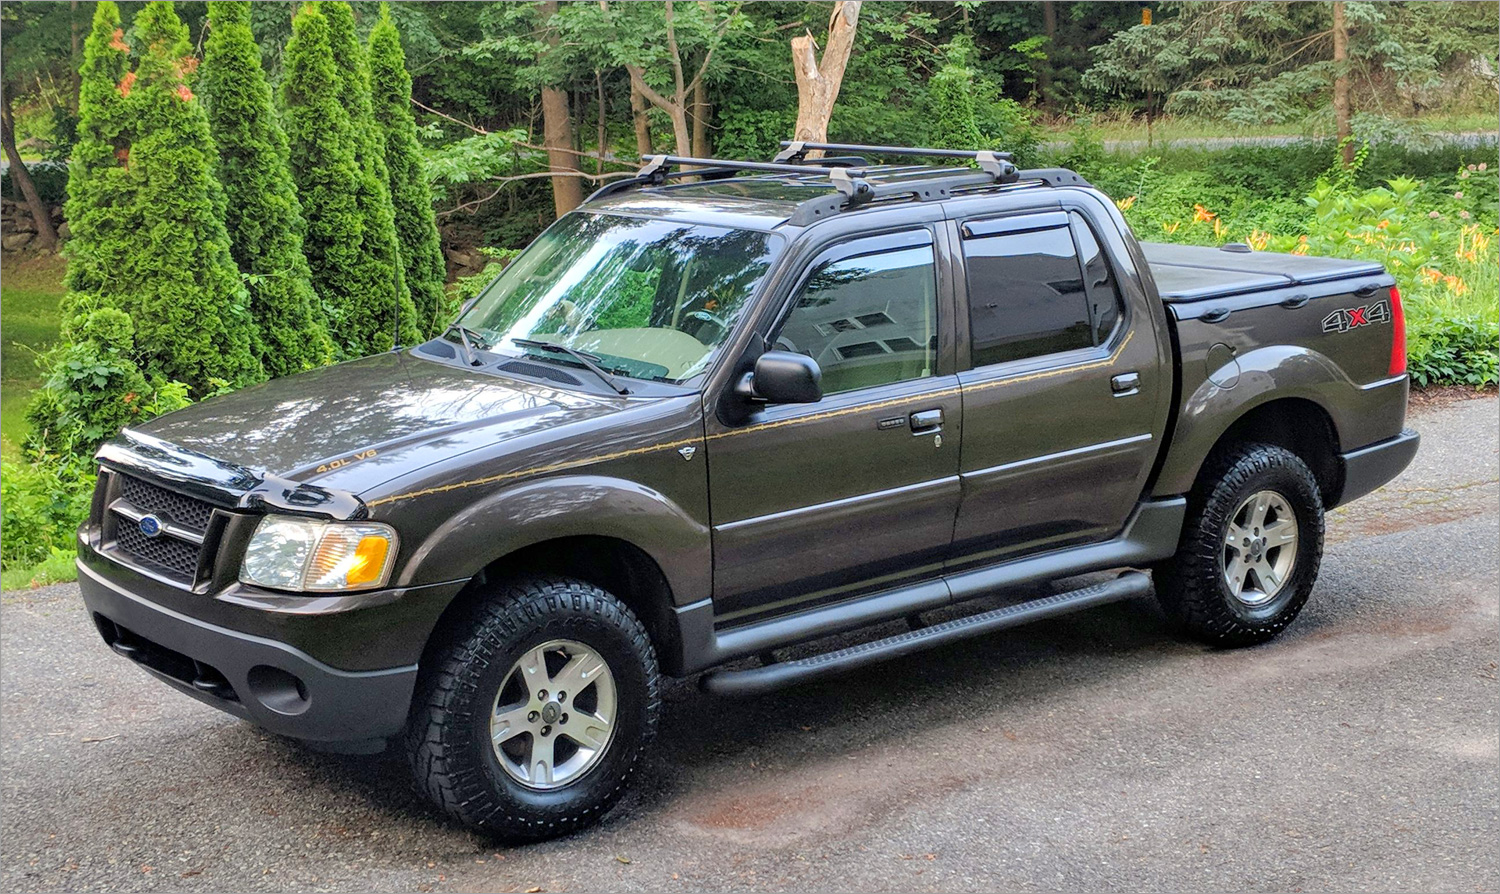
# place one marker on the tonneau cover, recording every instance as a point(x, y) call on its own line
point(1193, 272)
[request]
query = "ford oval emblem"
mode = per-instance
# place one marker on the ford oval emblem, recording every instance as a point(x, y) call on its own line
point(151, 526)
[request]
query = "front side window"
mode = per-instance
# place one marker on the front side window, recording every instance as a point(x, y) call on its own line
point(1026, 296)
point(867, 320)
point(649, 299)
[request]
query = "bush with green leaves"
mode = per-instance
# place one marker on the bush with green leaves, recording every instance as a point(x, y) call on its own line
point(262, 213)
point(41, 505)
point(147, 212)
point(416, 227)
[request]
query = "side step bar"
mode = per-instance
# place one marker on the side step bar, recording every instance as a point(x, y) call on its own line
point(755, 680)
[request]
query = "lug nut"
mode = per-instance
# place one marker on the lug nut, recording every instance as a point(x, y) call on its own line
point(546, 730)
point(562, 696)
point(542, 695)
point(563, 719)
point(532, 716)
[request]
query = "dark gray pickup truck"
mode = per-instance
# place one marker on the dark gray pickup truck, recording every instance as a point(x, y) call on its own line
point(725, 408)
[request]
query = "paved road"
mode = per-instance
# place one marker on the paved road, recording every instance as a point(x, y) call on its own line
point(1358, 752)
point(1468, 139)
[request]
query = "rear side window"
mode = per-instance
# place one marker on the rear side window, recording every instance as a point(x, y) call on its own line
point(1026, 295)
point(1098, 283)
point(868, 320)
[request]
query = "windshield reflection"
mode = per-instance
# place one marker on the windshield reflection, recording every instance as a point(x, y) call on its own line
point(649, 299)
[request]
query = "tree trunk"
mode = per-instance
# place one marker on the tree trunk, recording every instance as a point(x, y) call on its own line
point(557, 130)
point(75, 64)
point(1044, 73)
point(700, 122)
point(818, 82)
point(642, 121)
point(46, 236)
point(1341, 84)
point(602, 136)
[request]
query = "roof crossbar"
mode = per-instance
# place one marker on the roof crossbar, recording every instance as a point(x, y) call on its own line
point(997, 164)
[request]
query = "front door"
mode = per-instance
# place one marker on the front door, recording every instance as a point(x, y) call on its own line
point(818, 502)
point(1063, 406)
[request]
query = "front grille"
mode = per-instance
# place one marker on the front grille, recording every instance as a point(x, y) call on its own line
point(184, 524)
point(169, 505)
point(176, 557)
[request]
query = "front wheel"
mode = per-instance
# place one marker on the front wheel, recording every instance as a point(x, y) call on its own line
point(533, 718)
point(1250, 548)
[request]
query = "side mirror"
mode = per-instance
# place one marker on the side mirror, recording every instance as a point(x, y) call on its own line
point(784, 377)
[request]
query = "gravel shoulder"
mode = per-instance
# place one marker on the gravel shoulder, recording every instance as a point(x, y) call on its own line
point(1359, 752)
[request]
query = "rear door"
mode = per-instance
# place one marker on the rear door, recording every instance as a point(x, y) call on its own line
point(1064, 391)
point(818, 502)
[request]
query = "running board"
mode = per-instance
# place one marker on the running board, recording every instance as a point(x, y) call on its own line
point(755, 680)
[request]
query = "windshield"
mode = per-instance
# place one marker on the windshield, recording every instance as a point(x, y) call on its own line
point(648, 299)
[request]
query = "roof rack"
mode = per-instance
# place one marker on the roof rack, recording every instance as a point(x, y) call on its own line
point(851, 177)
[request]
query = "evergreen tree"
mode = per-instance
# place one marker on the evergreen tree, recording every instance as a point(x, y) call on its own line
point(151, 239)
point(377, 276)
point(416, 227)
point(98, 178)
point(262, 213)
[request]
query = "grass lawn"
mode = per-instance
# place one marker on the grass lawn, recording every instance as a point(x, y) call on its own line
point(1169, 129)
point(30, 291)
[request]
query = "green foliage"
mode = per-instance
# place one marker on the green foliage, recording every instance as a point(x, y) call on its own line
point(146, 211)
point(416, 227)
point(263, 216)
point(378, 276)
point(1443, 257)
point(40, 508)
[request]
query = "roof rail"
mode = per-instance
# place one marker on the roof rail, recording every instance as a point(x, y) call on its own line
point(855, 185)
point(997, 164)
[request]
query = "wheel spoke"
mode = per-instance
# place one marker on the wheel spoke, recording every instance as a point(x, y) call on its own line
point(508, 724)
point(1282, 533)
point(1235, 572)
point(1259, 509)
point(581, 670)
point(541, 764)
point(1235, 536)
point(1265, 572)
point(533, 667)
point(588, 730)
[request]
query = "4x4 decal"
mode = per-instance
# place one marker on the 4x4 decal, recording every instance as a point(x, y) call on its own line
point(1344, 319)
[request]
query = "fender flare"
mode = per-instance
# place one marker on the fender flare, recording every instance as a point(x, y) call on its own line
point(1267, 374)
point(550, 508)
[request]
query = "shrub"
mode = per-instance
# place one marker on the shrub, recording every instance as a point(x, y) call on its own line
point(146, 211)
point(416, 228)
point(263, 216)
point(40, 507)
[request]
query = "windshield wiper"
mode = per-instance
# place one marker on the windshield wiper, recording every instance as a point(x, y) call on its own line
point(464, 338)
point(590, 361)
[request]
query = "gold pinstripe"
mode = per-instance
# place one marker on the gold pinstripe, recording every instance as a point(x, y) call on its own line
point(764, 426)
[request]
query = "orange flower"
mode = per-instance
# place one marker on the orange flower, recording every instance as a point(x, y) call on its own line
point(1258, 240)
point(1171, 227)
point(126, 83)
point(1201, 213)
point(1382, 225)
point(1126, 203)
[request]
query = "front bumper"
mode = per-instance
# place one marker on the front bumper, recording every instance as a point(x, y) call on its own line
point(266, 682)
point(1369, 467)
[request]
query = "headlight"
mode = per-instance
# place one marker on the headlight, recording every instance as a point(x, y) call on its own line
point(291, 553)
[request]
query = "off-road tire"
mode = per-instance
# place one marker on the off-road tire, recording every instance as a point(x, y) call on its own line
point(447, 737)
point(1191, 587)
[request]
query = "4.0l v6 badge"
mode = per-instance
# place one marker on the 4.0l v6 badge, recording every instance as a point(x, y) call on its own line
point(1344, 319)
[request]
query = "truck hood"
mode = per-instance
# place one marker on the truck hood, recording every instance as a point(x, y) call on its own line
point(358, 424)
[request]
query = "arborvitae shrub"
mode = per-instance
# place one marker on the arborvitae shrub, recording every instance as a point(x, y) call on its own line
point(262, 213)
point(416, 227)
point(143, 207)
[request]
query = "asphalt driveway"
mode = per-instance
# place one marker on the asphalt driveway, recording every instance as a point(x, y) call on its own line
point(1357, 752)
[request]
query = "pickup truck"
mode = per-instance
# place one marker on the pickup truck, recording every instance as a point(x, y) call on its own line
point(725, 408)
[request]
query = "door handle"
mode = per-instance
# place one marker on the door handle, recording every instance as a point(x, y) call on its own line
point(1126, 384)
point(926, 422)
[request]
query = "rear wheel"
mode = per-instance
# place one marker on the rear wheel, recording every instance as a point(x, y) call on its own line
point(532, 719)
point(1250, 548)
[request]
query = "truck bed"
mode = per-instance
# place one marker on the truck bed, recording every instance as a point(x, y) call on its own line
point(1186, 273)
